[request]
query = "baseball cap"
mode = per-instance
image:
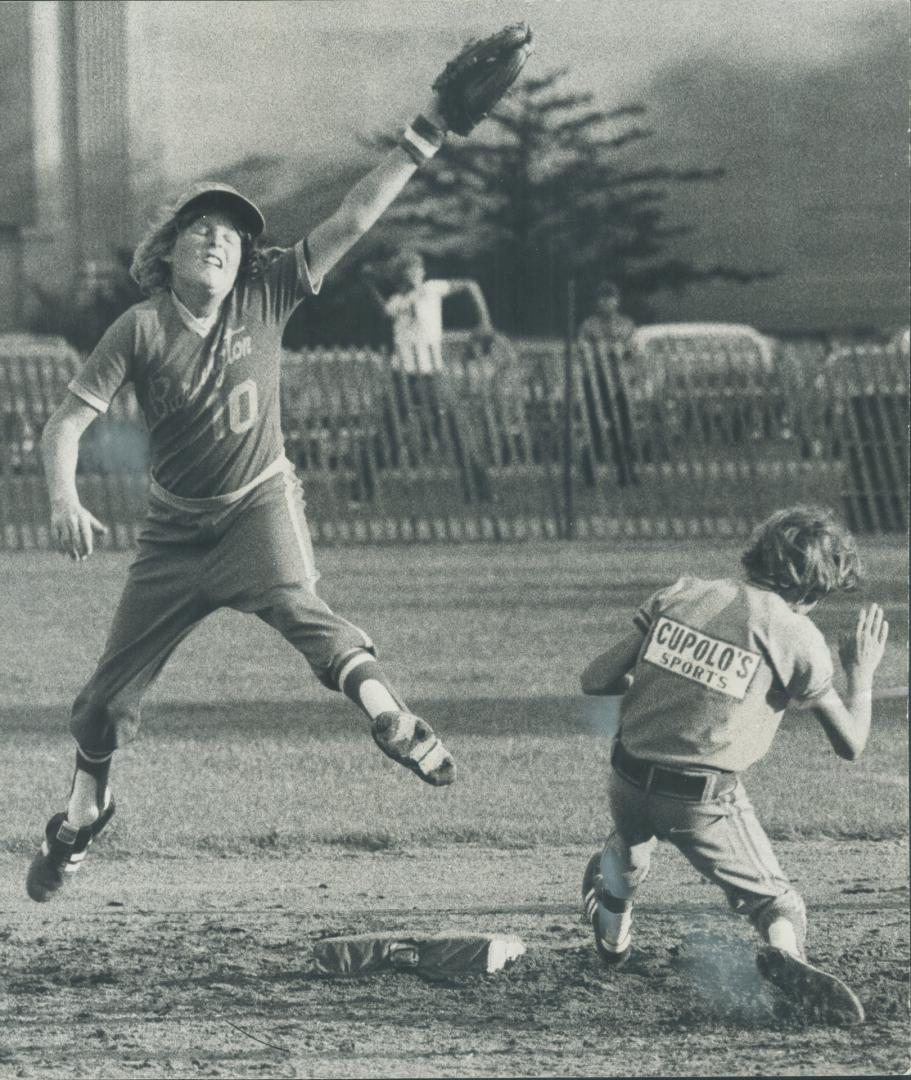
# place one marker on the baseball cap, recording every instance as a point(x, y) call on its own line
point(249, 215)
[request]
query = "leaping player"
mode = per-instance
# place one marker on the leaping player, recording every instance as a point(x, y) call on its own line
point(226, 524)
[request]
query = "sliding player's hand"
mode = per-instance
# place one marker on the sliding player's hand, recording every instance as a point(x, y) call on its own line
point(861, 651)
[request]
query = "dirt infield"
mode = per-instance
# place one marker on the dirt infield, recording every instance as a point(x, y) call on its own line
point(256, 817)
point(200, 967)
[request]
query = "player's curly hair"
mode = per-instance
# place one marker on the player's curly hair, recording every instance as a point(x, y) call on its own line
point(150, 269)
point(802, 553)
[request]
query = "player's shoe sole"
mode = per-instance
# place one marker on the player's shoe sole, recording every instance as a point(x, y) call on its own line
point(613, 936)
point(824, 998)
point(411, 742)
point(61, 854)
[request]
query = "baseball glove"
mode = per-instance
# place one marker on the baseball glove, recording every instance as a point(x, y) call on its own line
point(472, 84)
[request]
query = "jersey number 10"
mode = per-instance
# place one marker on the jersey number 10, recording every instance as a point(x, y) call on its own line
point(242, 410)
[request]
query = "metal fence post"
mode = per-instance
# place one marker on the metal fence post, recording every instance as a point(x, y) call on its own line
point(569, 517)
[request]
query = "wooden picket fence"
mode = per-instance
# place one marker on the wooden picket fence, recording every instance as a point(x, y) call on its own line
point(517, 440)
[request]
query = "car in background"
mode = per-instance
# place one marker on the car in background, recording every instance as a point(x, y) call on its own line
point(706, 356)
point(901, 340)
point(708, 380)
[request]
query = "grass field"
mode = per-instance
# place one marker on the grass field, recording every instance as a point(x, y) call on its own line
point(248, 771)
point(486, 642)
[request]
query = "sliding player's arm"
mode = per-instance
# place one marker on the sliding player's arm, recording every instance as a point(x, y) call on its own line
point(609, 673)
point(847, 723)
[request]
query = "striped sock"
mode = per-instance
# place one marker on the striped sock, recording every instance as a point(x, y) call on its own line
point(362, 680)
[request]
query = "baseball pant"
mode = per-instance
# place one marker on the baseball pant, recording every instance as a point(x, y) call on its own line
point(254, 555)
point(722, 838)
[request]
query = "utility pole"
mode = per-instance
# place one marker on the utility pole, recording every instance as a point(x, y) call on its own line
point(569, 407)
point(70, 155)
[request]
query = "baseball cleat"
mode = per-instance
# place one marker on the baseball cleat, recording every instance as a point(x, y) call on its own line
point(613, 934)
point(62, 853)
point(610, 918)
point(825, 998)
point(591, 884)
point(411, 742)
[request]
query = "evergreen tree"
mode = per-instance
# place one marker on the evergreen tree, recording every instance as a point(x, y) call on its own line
point(546, 189)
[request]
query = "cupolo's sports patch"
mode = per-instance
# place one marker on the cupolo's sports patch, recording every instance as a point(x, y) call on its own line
point(714, 663)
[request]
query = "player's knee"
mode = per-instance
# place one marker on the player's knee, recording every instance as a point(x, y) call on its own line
point(624, 868)
point(93, 705)
point(324, 639)
point(348, 668)
point(100, 722)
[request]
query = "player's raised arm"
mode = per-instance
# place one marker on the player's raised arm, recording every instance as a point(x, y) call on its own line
point(847, 723)
point(463, 94)
point(73, 528)
point(374, 193)
point(608, 673)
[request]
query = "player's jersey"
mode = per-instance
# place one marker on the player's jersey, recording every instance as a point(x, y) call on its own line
point(210, 397)
point(719, 662)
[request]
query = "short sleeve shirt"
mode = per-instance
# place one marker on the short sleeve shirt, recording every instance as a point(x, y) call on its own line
point(417, 327)
point(618, 329)
point(211, 402)
point(719, 662)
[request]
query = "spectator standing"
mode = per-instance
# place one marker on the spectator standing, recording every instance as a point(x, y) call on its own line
point(607, 321)
point(421, 385)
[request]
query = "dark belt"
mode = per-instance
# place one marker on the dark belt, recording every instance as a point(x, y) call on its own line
point(665, 780)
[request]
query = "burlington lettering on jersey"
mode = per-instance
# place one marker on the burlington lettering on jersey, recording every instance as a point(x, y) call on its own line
point(210, 398)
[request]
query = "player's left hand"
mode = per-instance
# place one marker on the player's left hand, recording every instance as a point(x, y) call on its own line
point(861, 651)
point(476, 80)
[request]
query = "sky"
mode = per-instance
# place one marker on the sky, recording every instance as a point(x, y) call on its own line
point(804, 103)
point(308, 77)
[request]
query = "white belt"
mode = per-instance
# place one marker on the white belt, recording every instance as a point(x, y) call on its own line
point(215, 502)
